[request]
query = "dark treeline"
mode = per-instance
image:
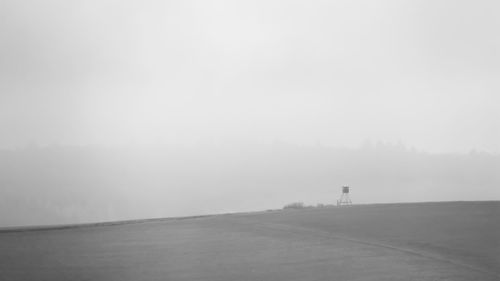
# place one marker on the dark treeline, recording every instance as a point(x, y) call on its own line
point(57, 184)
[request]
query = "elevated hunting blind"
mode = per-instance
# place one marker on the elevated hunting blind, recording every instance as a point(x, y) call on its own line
point(344, 198)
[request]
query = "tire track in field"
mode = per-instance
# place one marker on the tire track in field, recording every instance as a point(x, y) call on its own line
point(327, 235)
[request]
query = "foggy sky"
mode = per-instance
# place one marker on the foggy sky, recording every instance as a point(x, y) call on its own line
point(115, 110)
point(423, 73)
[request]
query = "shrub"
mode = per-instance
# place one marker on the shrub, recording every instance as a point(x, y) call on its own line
point(295, 205)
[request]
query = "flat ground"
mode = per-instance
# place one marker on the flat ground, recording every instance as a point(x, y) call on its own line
point(427, 241)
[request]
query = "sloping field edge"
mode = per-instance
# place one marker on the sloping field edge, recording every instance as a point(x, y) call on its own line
point(167, 219)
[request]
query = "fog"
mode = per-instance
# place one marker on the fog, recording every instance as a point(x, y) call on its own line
point(53, 185)
point(127, 109)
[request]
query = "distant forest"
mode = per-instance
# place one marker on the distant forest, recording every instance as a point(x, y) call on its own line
point(59, 184)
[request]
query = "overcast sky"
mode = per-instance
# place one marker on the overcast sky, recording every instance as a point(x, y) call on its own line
point(424, 73)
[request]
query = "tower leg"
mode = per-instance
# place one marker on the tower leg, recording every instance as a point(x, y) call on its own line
point(344, 200)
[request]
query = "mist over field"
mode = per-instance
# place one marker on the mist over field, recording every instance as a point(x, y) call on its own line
point(114, 110)
point(63, 184)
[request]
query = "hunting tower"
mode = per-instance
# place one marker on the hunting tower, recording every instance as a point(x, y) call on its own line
point(344, 198)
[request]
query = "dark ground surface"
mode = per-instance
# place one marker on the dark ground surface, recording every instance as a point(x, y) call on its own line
point(426, 241)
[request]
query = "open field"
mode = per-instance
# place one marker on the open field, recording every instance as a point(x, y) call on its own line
point(425, 241)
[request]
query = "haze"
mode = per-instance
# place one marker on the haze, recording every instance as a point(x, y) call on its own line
point(89, 87)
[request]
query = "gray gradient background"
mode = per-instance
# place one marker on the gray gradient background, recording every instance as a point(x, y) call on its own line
point(118, 94)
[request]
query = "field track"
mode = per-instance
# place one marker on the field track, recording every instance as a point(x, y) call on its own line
point(425, 241)
point(409, 251)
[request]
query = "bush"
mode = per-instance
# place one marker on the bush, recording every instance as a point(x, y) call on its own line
point(295, 205)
